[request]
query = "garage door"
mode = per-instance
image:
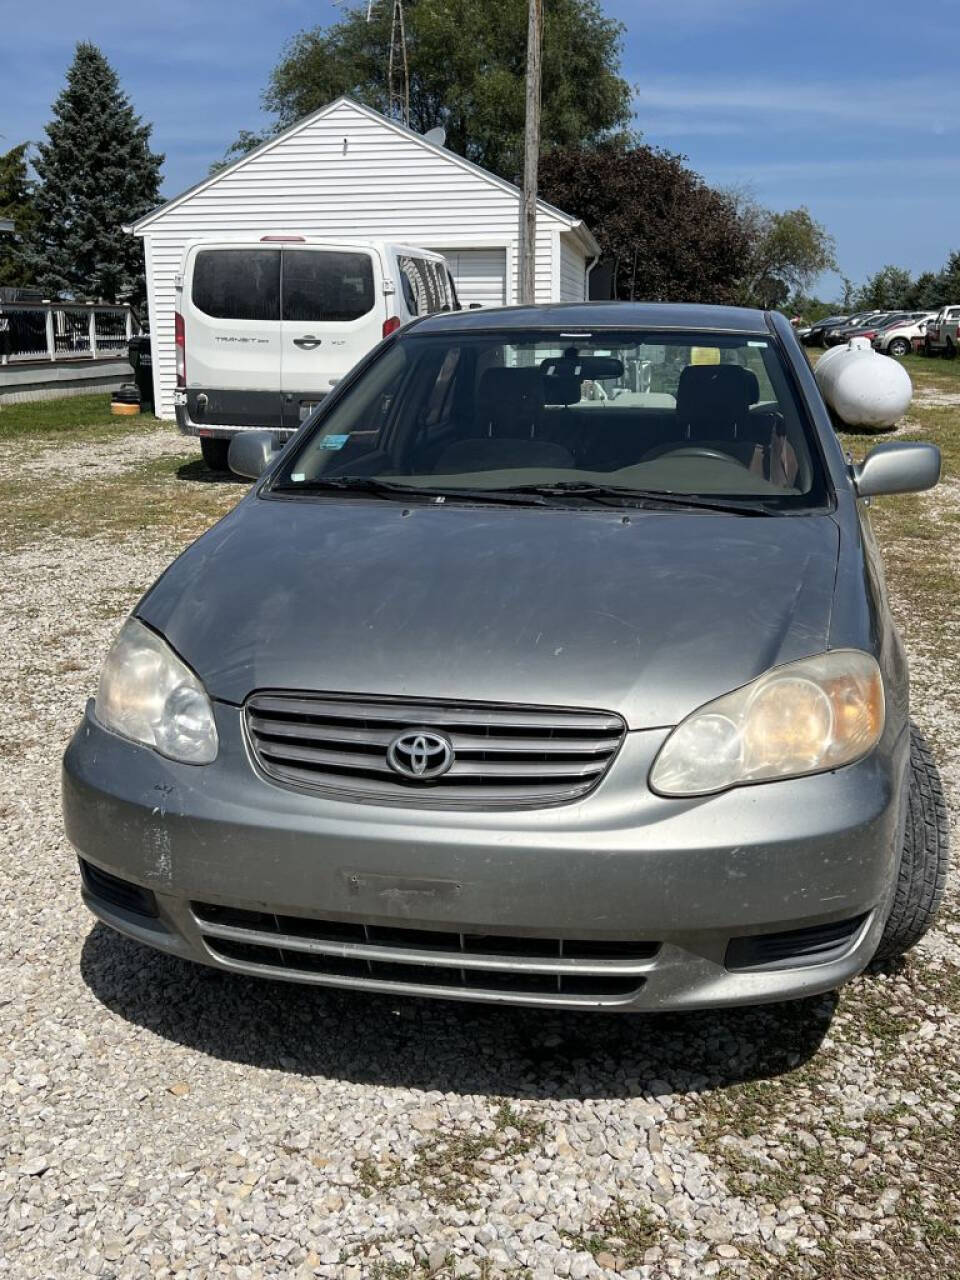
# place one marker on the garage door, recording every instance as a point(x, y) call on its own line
point(480, 275)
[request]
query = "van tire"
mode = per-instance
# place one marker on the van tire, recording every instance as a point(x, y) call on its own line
point(924, 859)
point(898, 347)
point(215, 451)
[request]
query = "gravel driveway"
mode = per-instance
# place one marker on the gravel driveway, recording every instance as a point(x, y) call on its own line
point(163, 1120)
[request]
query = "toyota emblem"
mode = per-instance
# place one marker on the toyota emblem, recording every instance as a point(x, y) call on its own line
point(420, 754)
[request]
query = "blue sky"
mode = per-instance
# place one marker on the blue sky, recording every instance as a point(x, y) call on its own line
point(851, 108)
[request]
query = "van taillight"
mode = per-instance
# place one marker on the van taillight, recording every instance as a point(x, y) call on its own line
point(181, 349)
point(391, 326)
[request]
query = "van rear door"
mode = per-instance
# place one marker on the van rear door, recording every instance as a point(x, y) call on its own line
point(333, 309)
point(232, 335)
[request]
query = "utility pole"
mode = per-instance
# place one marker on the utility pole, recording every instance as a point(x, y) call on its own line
point(531, 155)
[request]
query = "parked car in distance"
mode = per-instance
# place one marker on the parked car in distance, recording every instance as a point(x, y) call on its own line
point(491, 689)
point(899, 337)
point(863, 326)
point(815, 333)
point(941, 337)
point(265, 328)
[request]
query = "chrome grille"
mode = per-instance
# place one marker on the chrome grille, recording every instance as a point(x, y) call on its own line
point(474, 965)
point(504, 756)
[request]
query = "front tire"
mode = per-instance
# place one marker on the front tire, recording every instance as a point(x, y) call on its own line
point(215, 450)
point(924, 860)
point(899, 347)
point(950, 351)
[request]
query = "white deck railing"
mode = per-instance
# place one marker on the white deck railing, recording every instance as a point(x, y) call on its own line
point(63, 331)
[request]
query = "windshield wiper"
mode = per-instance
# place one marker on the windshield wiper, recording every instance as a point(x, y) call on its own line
point(621, 495)
point(396, 489)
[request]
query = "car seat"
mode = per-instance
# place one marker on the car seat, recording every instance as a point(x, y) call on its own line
point(713, 412)
point(509, 413)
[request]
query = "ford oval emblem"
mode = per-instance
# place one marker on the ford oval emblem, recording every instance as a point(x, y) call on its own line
point(420, 754)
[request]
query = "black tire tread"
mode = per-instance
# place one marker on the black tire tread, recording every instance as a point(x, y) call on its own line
point(925, 859)
point(215, 450)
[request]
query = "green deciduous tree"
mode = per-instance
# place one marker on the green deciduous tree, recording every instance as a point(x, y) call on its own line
point(893, 288)
point(96, 172)
point(666, 234)
point(467, 64)
point(787, 251)
point(888, 289)
point(16, 202)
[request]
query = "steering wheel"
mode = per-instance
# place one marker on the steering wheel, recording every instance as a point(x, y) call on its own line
point(692, 451)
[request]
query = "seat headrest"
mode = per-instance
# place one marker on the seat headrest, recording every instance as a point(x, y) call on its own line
point(509, 401)
point(722, 392)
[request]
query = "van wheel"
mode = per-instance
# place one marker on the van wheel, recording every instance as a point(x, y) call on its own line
point(899, 347)
point(924, 859)
point(215, 450)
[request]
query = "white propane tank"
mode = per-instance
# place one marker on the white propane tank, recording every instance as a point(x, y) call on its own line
point(862, 387)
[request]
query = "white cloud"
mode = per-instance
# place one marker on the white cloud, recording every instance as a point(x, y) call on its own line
point(901, 104)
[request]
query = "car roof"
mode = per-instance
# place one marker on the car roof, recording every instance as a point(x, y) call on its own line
point(598, 315)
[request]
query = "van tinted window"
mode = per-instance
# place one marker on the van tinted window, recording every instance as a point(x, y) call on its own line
point(237, 284)
point(322, 285)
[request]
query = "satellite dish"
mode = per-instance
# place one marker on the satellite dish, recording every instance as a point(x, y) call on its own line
point(437, 136)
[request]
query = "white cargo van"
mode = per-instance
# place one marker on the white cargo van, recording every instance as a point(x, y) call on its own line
point(265, 328)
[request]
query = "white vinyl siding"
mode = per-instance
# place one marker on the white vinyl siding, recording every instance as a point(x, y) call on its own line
point(345, 172)
point(480, 275)
point(573, 267)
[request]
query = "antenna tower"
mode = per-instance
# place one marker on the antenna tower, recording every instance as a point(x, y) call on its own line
point(399, 97)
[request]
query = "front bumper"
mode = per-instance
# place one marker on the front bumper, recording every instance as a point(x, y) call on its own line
point(252, 877)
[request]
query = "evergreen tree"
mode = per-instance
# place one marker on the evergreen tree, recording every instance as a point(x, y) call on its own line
point(16, 202)
point(96, 173)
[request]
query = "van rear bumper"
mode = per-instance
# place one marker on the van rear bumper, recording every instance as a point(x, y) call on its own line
point(213, 412)
point(190, 428)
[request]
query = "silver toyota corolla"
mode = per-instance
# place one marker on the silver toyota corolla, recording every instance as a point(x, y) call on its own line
point(549, 663)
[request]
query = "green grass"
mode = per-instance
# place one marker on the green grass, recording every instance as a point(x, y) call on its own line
point(623, 1232)
point(79, 417)
point(935, 369)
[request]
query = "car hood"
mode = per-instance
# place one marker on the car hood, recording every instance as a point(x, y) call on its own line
point(649, 615)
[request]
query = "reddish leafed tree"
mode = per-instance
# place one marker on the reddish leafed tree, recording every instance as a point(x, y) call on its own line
point(666, 235)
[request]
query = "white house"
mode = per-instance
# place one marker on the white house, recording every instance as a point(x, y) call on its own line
point(348, 171)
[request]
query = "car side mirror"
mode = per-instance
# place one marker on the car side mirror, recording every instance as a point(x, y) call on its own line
point(252, 452)
point(897, 468)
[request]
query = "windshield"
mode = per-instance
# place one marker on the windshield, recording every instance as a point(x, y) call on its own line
point(669, 413)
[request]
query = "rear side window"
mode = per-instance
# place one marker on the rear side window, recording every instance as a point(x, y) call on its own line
point(237, 284)
point(323, 285)
point(425, 285)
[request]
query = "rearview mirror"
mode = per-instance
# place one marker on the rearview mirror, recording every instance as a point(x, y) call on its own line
point(252, 452)
point(582, 367)
point(897, 468)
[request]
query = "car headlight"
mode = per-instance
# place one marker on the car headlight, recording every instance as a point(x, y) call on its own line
point(148, 695)
point(805, 717)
